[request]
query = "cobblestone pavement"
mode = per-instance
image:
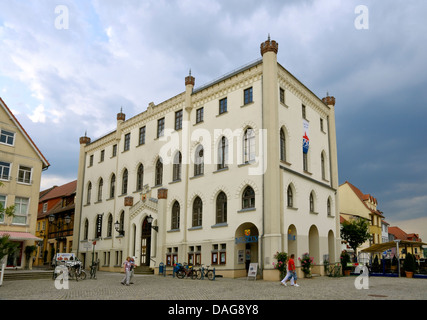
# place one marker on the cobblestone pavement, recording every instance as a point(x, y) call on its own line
point(153, 287)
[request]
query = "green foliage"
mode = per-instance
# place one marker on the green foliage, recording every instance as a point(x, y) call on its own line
point(8, 211)
point(409, 264)
point(7, 247)
point(282, 258)
point(355, 232)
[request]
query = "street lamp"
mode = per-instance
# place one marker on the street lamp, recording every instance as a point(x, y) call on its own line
point(59, 224)
point(117, 227)
point(150, 221)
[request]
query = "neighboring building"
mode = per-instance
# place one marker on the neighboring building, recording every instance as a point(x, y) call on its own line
point(231, 172)
point(354, 203)
point(415, 249)
point(21, 166)
point(55, 221)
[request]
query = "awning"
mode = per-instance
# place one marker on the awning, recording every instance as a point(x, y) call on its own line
point(20, 236)
point(380, 247)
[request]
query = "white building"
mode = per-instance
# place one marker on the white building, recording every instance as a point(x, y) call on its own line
point(222, 171)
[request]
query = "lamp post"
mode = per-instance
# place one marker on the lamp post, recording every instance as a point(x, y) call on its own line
point(398, 256)
point(150, 221)
point(117, 226)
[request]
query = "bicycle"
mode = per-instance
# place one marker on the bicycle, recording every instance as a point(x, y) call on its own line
point(76, 271)
point(202, 273)
point(93, 270)
point(186, 271)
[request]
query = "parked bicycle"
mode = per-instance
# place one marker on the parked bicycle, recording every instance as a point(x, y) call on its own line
point(185, 270)
point(93, 267)
point(205, 273)
point(75, 270)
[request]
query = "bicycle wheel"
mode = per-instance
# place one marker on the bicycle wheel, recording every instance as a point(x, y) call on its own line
point(193, 274)
point(82, 275)
point(180, 274)
point(210, 275)
point(199, 274)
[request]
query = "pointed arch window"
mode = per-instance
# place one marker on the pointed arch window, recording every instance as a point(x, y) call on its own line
point(323, 168)
point(175, 216)
point(89, 192)
point(125, 182)
point(110, 225)
point(248, 198)
point(86, 230)
point(311, 202)
point(197, 212)
point(159, 172)
point(113, 186)
point(221, 208)
point(199, 161)
point(140, 177)
point(223, 153)
point(249, 146)
point(177, 165)
point(328, 208)
point(100, 185)
point(290, 196)
point(282, 145)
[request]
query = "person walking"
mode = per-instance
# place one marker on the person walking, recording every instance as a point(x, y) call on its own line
point(127, 265)
point(132, 269)
point(291, 273)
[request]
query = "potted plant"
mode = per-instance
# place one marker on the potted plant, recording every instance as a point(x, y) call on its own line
point(282, 258)
point(394, 264)
point(409, 265)
point(345, 258)
point(306, 263)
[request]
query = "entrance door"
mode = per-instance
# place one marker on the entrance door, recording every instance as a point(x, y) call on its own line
point(145, 243)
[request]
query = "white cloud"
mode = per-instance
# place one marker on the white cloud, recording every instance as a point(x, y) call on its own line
point(38, 115)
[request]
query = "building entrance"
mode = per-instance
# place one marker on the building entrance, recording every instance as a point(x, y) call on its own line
point(145, 243)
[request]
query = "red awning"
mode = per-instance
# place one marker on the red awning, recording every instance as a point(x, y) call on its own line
point(13, 235)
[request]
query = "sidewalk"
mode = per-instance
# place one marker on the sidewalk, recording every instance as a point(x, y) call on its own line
point(154, 287)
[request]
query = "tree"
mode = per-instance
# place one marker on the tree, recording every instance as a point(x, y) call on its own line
point(355, 232)
point(7, 247)
point(8, 211)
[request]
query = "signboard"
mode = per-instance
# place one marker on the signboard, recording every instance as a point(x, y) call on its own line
point(253, 268)
point(65, 256)
point(305, 139)
point(98, 226)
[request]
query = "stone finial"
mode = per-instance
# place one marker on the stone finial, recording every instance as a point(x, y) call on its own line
point(269, 45)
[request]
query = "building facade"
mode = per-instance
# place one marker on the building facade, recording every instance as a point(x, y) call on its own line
point(21, 166)
point(231, 173)
point(55, 221)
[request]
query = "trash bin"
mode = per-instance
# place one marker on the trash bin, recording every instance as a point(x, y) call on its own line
point(161, 266)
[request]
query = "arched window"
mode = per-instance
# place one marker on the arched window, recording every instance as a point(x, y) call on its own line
point(159, 172)
point(125, 182)
point(197, 212)
point(175, 216)
point(282, 145)
point(122, 220)
point(223, 153)
point(177, 163)
point(198, 161)
point(322, 164)
point(221, 208)
point(113, 186)
point(100, 185)
point(86, 230)
point(290, 196)
point(140, 177)
point(110, 225)
point(328, 207)
point(89, 192)
point(311, 202)
point(248, 198)
point(249, 146)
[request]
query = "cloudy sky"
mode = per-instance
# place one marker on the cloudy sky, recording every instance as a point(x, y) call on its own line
point(67, 67)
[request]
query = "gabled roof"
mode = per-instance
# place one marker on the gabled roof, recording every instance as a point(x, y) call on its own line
point(61, 191)
point(46, 164)
point(365, 197)
point(402, 235)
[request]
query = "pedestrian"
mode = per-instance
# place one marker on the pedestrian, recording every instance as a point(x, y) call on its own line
point(291, 273)
point(132, 269)
point(127, 266)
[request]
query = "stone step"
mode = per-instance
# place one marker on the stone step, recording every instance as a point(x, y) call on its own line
point(144, 270)
point(10, 275)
